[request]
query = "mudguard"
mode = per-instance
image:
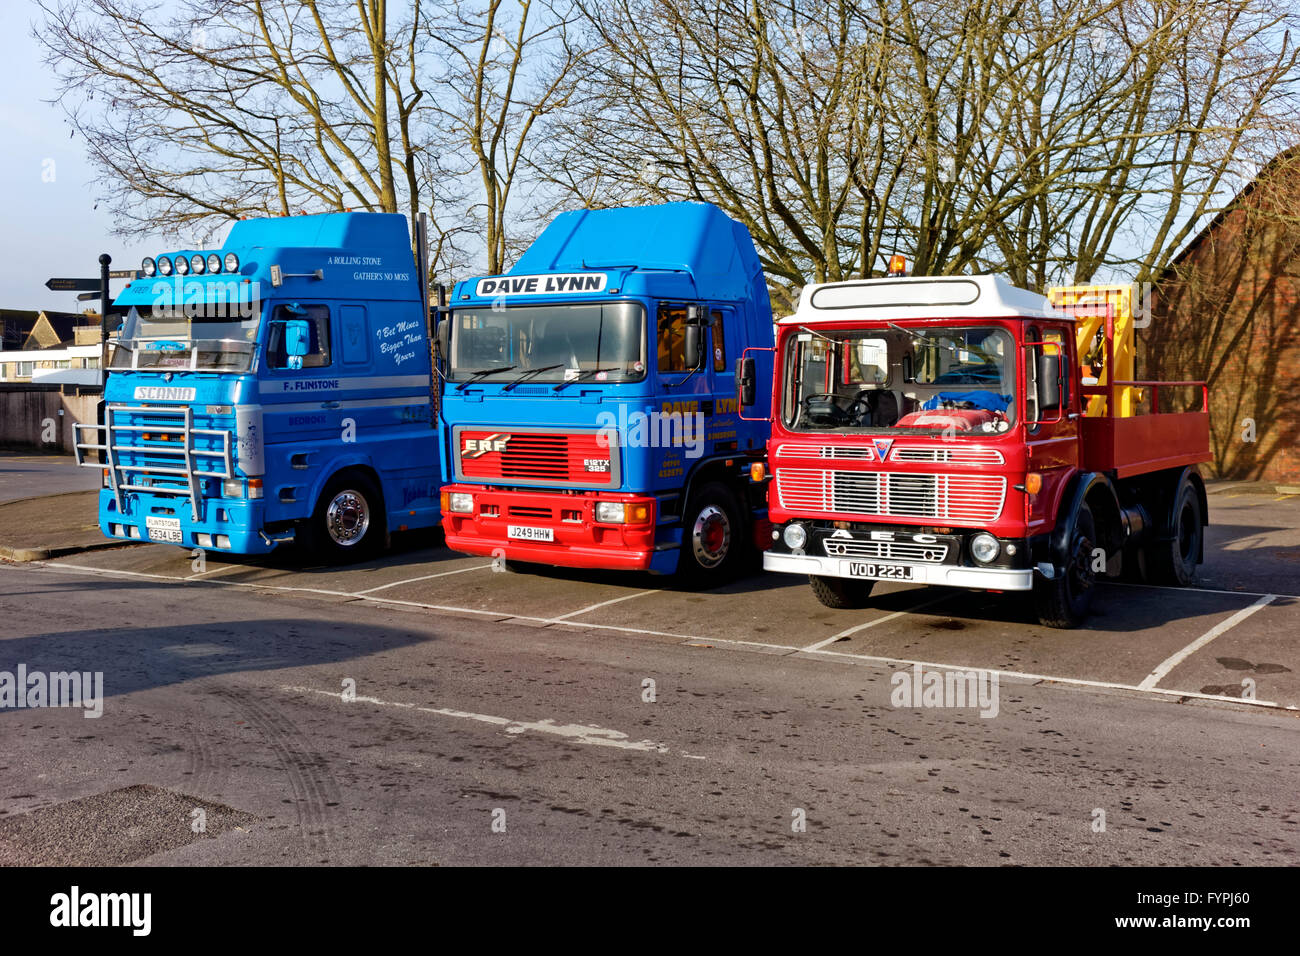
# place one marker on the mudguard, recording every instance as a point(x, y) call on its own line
point(1080, 487)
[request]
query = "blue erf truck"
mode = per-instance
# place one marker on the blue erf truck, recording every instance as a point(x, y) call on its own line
point(591, 403)
point(276, 389)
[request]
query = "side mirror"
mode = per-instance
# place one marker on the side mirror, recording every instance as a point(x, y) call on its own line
point(297, 341)
point(1049, 383)
point(444, 337)
point(694, 344)
point(746, 382)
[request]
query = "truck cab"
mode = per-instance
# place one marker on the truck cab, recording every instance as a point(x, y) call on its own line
point(590, 401)
point(941, 430)
point(275, 389)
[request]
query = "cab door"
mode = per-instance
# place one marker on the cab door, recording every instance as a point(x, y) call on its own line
point(1053, 442)
point(722, 425)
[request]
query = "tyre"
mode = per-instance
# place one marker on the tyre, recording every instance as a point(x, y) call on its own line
point(348, 523)
point(1173, 562)
point(1064, 600)
point(843, 594)
point(712, 537)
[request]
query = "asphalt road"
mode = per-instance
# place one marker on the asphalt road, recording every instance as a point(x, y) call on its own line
point(507, 718)
point(23, 475)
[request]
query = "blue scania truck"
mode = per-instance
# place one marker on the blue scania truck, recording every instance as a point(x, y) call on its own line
point(591, 404)
point(277, 389)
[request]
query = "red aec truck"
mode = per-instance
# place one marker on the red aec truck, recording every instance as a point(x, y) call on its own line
point(960, 431)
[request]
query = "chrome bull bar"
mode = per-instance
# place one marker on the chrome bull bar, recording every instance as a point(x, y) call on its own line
point(120, 474)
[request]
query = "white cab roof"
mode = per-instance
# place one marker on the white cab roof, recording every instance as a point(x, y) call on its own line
point(918, 297)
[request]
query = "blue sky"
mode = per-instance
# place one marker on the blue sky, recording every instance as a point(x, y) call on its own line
point(50, 228)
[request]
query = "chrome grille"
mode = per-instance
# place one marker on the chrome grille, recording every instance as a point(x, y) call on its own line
point(975, 498)
point(948, 454)
point(896, 550)
point(813, 450)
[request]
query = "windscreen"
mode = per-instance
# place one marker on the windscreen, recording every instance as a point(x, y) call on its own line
point(896, 379)
point(216, 337)
point(553, 343)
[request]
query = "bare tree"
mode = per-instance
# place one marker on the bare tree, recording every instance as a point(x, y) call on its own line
point(252, 107)
point(509, 64)
point(1049, 139)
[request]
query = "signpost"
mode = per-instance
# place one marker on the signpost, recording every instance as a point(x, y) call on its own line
point(104, 297)
point(72, 285)
point(91, 289)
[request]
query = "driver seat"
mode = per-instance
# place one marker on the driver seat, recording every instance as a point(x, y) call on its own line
point(884, 410)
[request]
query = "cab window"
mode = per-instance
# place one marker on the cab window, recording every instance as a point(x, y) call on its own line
point(671, 338)
point(719, 344)
point(318, 324)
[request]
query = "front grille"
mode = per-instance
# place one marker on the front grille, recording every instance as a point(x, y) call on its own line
point(536, 457)
point(813, 450)
point(952, 453)
point(949, 454)
point(896, 550)
point(973, 498)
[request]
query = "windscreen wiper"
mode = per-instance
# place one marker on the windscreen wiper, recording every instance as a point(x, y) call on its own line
point(474, 377)
point(531, 373)
point(581, 375)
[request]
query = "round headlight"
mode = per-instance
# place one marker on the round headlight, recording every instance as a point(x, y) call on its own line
point(984, 547)
point(794, 536)
point(198, 264)
point(148, 267)
point(182, 266)
point(164, 266)
point(214, 263)
point(232, 262)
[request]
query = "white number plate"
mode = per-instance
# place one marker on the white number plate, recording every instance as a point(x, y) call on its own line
point(525, 532)
point(163, 529)
point(881, 572)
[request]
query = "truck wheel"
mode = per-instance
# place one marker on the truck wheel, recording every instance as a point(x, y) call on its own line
point(1174, 562)
point(348, 524)
point(843, 594)
point(1063, 601)
point(712, 538)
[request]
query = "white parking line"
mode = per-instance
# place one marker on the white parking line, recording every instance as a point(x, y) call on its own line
point(689, 639)
point(576, 733)
point(1165, 666)
point(596, 607)
point(880, 620)
point(425, 577)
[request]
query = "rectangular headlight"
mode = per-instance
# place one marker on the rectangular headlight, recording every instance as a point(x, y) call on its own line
point(612, 512)
point(232, 488)
point(461, 502)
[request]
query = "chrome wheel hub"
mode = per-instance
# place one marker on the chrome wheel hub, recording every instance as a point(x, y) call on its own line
point(347, 518)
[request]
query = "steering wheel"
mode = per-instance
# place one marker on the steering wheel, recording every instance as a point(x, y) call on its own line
point(822, 408)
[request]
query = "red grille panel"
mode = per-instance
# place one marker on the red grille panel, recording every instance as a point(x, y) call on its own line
point(543, 458)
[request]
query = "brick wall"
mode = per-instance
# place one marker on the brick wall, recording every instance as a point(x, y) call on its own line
point(1229, 313)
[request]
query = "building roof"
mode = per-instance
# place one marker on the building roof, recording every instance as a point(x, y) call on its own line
point(1281, 160)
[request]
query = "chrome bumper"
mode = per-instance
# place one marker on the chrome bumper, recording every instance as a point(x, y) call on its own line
point(997, 579)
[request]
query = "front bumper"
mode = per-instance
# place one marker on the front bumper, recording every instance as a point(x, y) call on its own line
point(579, 540)
point(996, 579)
point(233, 525)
